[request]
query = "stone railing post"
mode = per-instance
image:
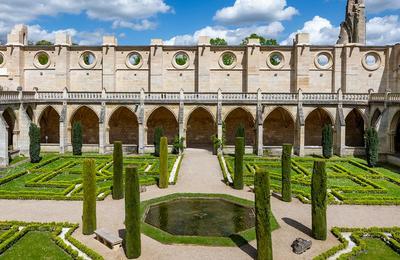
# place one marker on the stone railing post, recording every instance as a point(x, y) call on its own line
point(260, 130)
point(141, 145)
point(103, 94)
point(65, 93)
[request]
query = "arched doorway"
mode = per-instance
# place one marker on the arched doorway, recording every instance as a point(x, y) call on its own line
point(278, 128)
point(10, 119)
point(314, 124)
point(124, 126)
point(238, 117)
point(200, 127)
point(354, 129)
point(49, 123)
point(90, 124)
point(164, 118)
point(395, 131)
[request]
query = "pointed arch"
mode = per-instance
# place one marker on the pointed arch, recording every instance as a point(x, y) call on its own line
point(90, 124)
point(354, 129)
point(200, 127)
point(278, 128)
point(49, 123)
point(11, 120)
point(395, 130)
point(233, 120)
point(375, 118)
point(164, 118)
point(123, 126)
point(314, 123)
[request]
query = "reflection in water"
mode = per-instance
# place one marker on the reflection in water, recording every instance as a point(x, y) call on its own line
point(201, 217)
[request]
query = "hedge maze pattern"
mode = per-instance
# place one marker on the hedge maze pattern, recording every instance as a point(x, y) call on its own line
point(60, 177)
point(350, 180)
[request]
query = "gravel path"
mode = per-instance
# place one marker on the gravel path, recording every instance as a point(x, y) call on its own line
point(200, 172)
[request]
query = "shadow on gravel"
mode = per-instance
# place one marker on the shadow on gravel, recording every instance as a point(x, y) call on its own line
point(244, 245)
point(297, 225)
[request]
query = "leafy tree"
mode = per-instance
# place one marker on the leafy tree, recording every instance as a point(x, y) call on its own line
point(34, 143)
point(263, 41)
point(286, 170)
point(164, 176)
point(118, 164)
point(132, 242)
point(77, 138)
point(158, 133)
point(327, 141)
point(218, 42)
point(239, 152)
point(372, 145)
point(319, 200)
point(263, 214)
point(43, 43)
point(89, 197)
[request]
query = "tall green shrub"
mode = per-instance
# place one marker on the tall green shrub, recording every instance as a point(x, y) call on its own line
point(89, 197)
point(263, 214)
point(132, 241)
point(319, 200)
point(34, 143)
point(371, 146)
point(286, 170)
point(77, 138)
point(118, 182)
point(158, 133)
point(240, 131)
point(239, 152)
point(327, 141)
point(164, 176)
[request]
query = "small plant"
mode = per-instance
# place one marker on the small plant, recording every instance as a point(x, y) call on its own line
point(118, 182)
point(77, 138)
point(164, 178)
point(178, 145)
point(286, 170)
point(319, 200)
point(158, 133)
point(217, 144)
point(89, 197)
point(263, 214)
point(34, 143)
point(327, 141)
point(132, 242)
point(239, 152)
point(371, 146)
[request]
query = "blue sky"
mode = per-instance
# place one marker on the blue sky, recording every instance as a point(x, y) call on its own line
point(135, 22)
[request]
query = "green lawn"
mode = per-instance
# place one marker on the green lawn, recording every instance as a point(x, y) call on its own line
point(350, 180)
point(377, 249)
point(56, 176)
point(35, 245)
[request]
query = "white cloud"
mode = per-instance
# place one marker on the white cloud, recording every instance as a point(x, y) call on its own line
point(139, 26)
point(377, 6)
point(383, 30)
point(232, 36)
point(254, 11)
point(321, 32)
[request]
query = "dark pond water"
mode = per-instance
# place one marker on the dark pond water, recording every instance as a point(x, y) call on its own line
point(201, 217)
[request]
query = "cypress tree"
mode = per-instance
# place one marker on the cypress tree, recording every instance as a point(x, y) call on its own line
point(132, 241)
point(240, 131)
point(89, 197)
point(286, 164)
point(77, 138)
point(327, 141)
point(164, 176)
point(239, 152)
point(319, 200)
point(34, 143)
point(158, 133)
point(118, 182)
point(263, 214)
point(371, 146)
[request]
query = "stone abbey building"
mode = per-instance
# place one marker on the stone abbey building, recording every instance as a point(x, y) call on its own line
point(281, 94)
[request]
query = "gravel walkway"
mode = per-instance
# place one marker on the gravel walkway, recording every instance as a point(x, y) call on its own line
point(200, 172)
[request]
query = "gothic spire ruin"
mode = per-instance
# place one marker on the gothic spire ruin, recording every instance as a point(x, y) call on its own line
point(353, 29)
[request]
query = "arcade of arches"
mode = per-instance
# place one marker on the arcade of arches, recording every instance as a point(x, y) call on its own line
point(238, 117)
point(314, 123)
point(49, 124)
point(200, 127)
point(162, 117)
point(90, 124)
point(10, 119)
point(123, 126)
point(278, 128)
point(354, 129)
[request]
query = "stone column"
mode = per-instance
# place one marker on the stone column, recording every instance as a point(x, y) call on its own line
point(300, 127)
point(3, 141)
point(64, 129)
point(109, 45)
point(340, 128)
point(219, 115)
point(182, 130)
point(16, 40)
point(259, 123)
point(203, 64)
point(102, 129)
point(141, 141)
point(156, 66)
point(253, 55)
point(24, 123)
point(62, 44)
